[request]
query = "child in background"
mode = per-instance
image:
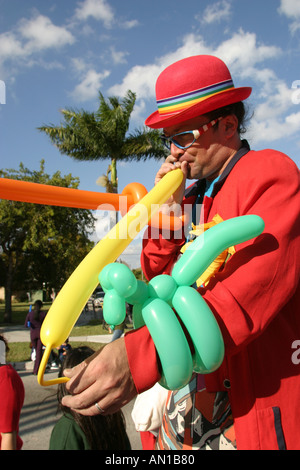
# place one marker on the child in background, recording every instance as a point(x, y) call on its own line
point(63, 349)
point(77, 432)
point(11, 401)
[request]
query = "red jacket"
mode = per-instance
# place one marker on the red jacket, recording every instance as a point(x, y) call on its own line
point(256, 301)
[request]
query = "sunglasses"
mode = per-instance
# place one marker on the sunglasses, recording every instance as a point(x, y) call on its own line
point(184, 140)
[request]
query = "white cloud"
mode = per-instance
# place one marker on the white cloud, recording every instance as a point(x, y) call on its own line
point(100, 10)
point(129, 24)
point(90, 85)
point(139, 111)
point(97, 9)
point(25, 44)
point(215, 13)
point(30, 37)
point(273, 129)
point(90, 80)
point(291, 9)
point(10, 46)
point(277, 103)
point(141, 78)
point(118, 57)
point(241, 52)
point(275, 117)
point(78, 64)
point(41, 33)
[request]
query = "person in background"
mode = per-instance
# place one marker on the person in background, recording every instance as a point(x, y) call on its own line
point(12, 395)
point(76, 432)
point(63, 349)
point(118, 331)
point(34, 320)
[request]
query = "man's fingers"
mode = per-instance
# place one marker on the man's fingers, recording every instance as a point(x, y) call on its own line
point(84, 403)
point(103, 378)
point(184, 168)
point(83, 400)
point(80, 378)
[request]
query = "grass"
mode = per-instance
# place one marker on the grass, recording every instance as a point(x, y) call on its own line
point(19, 312)
point(20, 352)
point(93, 328)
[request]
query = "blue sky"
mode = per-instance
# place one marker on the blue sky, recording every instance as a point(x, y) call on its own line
point(57, 54)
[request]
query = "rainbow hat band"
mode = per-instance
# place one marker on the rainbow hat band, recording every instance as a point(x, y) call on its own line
point(186, 100)
point(192, 87)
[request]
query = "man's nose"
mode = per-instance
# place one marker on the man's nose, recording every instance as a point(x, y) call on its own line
point(176, 152)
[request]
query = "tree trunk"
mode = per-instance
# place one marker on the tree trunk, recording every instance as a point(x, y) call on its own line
point(114, 182)
point(114, 179)
point(8, 292)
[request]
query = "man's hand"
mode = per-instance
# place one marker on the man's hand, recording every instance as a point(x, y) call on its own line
point(171, 164)
point(103, 378)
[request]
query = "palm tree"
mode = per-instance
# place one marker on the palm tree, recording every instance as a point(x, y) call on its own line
point(104, 135)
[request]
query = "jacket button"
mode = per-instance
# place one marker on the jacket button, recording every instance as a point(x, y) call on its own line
point(226, 383)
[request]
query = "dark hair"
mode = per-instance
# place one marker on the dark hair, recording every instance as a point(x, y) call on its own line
point(37, 308)
point(102, 432)
point(238, 109)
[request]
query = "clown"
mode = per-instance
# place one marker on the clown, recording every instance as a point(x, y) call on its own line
point(251, 401)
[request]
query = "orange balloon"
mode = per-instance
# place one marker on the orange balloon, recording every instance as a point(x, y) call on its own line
point(25, 191)
point(168, 222)
point(133, 193)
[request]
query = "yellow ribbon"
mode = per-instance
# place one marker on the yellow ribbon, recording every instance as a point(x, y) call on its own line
point(219, 261)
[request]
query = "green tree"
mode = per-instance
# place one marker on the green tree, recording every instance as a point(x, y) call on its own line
point(104, 134)
point(40, 243)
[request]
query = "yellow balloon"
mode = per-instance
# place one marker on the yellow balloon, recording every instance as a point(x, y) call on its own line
point(72, 298)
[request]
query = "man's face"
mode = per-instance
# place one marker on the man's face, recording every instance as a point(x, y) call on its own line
point(207, 155)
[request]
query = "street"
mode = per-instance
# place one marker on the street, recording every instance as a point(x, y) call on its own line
point(39, 415)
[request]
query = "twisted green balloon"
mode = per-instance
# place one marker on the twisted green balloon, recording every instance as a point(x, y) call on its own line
point(154, 304)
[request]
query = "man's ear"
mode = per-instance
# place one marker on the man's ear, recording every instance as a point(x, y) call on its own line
point(229, 125)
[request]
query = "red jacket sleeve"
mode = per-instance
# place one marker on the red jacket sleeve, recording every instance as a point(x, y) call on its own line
point(159, 254)
point(142, 359)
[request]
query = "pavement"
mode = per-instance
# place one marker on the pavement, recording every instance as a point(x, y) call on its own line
point(39, 412)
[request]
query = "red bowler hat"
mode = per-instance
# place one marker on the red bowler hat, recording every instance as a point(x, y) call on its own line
point(191, 87)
